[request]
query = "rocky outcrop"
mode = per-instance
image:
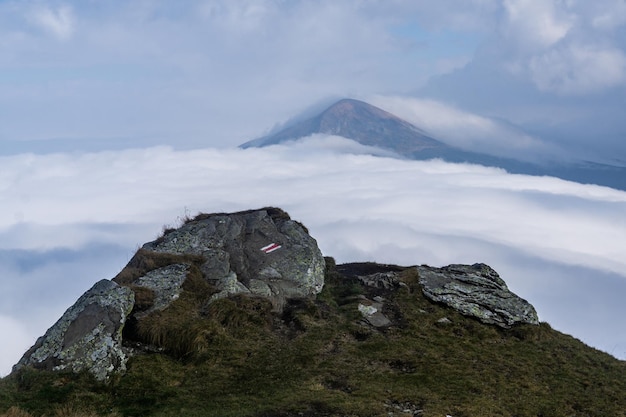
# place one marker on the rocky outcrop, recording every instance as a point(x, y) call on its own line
point(88, 337)
point(476, 290)
point(473, 290)
point(385, 280)
point(259, 252)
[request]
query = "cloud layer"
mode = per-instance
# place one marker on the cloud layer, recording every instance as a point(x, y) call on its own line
point(564, 46)
point(70, 220)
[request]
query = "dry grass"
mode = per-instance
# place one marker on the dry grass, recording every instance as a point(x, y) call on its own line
point(145, 261)
point(60, 411)
point(144, 297)
point(410, 277)
point(71, 411)
point(16, 412)
point(181, 328)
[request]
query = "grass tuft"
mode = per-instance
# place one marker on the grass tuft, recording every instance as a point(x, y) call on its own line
point(16, 412)
point(145, 261)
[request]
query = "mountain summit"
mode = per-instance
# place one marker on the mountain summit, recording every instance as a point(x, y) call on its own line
point(239, 314)
point(361, 122)
point(257, 253)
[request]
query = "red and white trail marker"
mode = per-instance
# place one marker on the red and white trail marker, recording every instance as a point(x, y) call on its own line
point(271, 248)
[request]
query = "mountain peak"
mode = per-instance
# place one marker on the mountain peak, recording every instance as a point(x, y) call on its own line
point(349, 107)
point(361, 122)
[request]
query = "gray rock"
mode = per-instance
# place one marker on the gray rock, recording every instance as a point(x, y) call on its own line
point(372, 312)
point(166, 284)
point(88, 337)
point(384, 280)
point(260, 252)
point(478, 291)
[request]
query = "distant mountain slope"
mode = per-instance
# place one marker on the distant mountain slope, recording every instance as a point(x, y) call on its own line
point(371, 126)
point(359, 121)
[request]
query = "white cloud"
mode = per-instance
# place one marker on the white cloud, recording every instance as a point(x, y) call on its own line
point(239, 17)
point(564, 47)
point(606, 15)
point(533, 23)
point(59, 21)
point(471, 15)
point(359, 207)
point(578, 69)
point(91, 185)
point(467, 130)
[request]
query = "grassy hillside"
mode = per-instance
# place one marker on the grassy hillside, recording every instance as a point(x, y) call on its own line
point(317, 358)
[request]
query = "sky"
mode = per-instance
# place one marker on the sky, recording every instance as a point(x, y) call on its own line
point(111, 74)
point(118, 117)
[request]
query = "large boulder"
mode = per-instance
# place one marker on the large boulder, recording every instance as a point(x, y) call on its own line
point(88, 337)
point(476, 290)
point(258, 252)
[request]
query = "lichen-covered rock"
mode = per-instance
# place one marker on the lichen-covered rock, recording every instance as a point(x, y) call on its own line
point(476, 290)
point(165, 283)
point(385, 280)
point(260, 252)
point(88, 337)
point(372, 312)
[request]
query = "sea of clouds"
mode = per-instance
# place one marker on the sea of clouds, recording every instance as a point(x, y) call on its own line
point(68, 220)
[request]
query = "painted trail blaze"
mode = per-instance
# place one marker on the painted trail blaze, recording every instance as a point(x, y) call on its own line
point(271, 248)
